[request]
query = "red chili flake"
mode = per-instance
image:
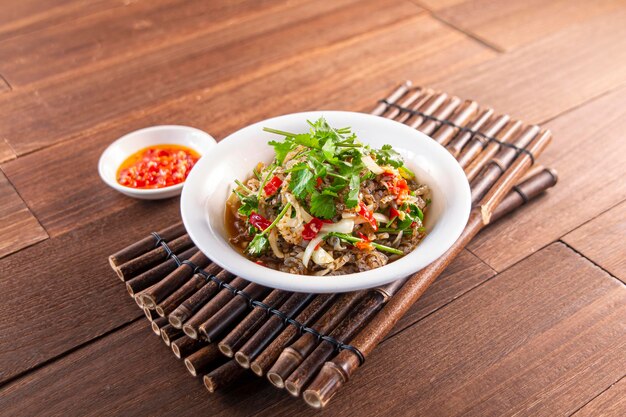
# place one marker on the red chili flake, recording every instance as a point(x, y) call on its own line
point(259, 221)
point(157, 167)
point(367, 215)
point(362, 236)
point(393, 213)
point(260, 263)
point(272, 186)
point(319, 182)
point(318, 245)
point(364, 246)
point(312, 228)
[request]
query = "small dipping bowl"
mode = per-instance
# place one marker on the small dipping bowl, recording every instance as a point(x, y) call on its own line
point(117, 152)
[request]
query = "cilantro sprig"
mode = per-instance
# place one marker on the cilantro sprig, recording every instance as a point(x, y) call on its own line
point(260, 242)
point(353, 239)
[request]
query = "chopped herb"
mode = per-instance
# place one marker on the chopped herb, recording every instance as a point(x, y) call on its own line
point(387, 156)
point(323, 205)
point(302, 182)
point(353, 239)
point(260, 243)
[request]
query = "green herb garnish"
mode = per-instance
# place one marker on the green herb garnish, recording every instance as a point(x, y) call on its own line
point(259, 242)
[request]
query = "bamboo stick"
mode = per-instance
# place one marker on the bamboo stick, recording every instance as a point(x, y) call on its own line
point(203, 359)
point(372, 303)
point(271, 328)
point(309, 315)
point(140, 264)
point(442, 114)
point(392, 98)
point(170, 333)
point(336, 372)
point(223, 319)
point(185, 345)
point(196, 301)
point(525, 191)
point(483, 158)
point(156, 274)
point(410, 99)
point(222, 376)
point(168, 305)
point(250, 324)
point(460, 140)
point(150, 314)
point(157, 324)
point(461, 117)
point(428, 108)
point(210, 308)
point(478, 142)
point(156, 293)
point(500, 163)
point(293, 355)
point(144, 245)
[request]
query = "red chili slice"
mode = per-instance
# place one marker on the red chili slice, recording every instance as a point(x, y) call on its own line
point(393, 213)
point(362, 236)
point(272, 186)
point(312, 228)
point(367, 215)
point(259, 221)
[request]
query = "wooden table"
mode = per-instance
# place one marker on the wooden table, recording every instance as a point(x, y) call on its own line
point(530, 320)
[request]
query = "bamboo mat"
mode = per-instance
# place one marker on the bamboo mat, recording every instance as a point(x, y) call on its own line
point(220, 325)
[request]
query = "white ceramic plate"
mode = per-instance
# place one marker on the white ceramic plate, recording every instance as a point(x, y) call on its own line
point(211, 181)
point(122, 148)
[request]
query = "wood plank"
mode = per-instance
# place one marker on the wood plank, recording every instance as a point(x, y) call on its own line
point(611, 403)
point(541, 339)
point(513, 23)
point(603, 240)
point(24, 16)
point(61, 293)
point(535, 84)
point(66, 106)
point(18, 227)
point(587, 151)
point(134, 354)
point(6, 151)
point(351, 75)
point(114, 36)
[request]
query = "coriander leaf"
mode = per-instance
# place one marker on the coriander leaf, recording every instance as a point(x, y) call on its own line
point(258, 245)
point(322, 206)
point(352, 199)
point(248, 204)
point(387, 156)
point(282, 149)
point(302, 182)
point(328, 150)
point(307, 140)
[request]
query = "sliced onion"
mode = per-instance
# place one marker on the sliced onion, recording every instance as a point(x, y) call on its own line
point(310, 248)
point(342, 226)
point(371, 165)
point(273, 239)
point(294, 203)
point(381, 218)
point(321, 257)
point(396, 241)
point(348, 215)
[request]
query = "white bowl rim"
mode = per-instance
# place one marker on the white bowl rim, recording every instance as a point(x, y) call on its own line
point(146, 191)
point(243, 267)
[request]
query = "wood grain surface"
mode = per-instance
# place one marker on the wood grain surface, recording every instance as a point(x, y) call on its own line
point(530, 320)
point(509, 24)
point(18, 227)
point(603, 240)
point(589, 158)
point(611, 403)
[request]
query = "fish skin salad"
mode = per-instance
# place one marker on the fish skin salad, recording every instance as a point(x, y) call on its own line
point(327, 205)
